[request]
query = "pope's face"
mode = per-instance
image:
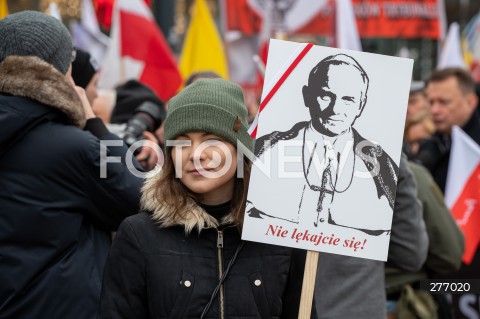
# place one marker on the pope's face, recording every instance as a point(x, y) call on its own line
point(338, 99)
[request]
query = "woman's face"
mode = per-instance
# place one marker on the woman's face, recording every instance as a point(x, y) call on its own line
point(206, 165)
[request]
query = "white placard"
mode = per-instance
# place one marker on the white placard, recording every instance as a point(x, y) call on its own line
point(328, 149)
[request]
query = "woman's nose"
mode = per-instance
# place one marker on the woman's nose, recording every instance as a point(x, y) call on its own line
point(197, 152)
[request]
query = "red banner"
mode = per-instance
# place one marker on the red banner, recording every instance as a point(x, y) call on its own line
point(375, 19)
point(241, 17)
point(397, 18)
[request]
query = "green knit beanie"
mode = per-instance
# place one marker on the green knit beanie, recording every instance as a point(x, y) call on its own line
point(215, 106)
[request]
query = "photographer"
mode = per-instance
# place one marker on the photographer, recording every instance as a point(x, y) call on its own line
point(57, 211)
point(137, 113)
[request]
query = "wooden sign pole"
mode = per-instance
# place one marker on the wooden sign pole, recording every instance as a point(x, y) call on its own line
point(308, 285)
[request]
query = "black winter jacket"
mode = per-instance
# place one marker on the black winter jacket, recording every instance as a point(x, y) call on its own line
point(158, 267)
point(162, 273)
point(55, 210)
point(434, 153)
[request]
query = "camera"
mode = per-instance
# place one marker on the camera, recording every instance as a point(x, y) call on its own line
point(148, 116)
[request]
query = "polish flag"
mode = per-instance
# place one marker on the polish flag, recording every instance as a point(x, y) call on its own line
point(462, 192)
point(346, 31)
point(104, 11)
point(87, 35)
point(266, 31)
point(138, 50)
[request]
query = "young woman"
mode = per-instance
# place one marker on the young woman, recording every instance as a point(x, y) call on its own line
point(183, 257)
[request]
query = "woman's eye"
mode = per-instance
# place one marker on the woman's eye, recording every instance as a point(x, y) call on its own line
point(213, 141)
point(181, 143)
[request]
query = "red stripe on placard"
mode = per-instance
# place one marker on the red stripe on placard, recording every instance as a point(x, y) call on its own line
point(280, 82)
point(285, 76)
point(254, 133)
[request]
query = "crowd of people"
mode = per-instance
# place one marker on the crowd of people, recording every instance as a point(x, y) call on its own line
point(83, 236)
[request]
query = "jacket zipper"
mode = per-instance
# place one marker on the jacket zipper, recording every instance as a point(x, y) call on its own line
point(220, 271)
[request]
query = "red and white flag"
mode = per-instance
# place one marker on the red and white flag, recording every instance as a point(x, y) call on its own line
point(87, 35)
point(451, 53)
point(138, 50)
point(104, 10)
point(462, 192)
point(346, 31)
point(266, 31)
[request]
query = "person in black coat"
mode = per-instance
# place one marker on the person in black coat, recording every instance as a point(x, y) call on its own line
point(56, 211)
point(183, 257)
point(451, 93)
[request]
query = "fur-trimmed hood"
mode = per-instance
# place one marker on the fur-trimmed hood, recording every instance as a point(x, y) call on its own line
point(164, 215)
point(34, 92)
point(33, 78)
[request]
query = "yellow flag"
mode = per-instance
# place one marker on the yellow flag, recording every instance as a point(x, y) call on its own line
point(467, 53)
point(3, 9)
point(202, 49)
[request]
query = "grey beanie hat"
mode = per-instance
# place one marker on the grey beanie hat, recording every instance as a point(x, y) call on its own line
point(212, 105)
point(32, 33)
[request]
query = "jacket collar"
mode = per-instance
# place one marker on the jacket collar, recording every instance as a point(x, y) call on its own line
point(164, 215)
point(472, 128)
point(33, 78)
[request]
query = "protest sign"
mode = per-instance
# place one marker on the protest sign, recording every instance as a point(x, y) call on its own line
point(328, 146)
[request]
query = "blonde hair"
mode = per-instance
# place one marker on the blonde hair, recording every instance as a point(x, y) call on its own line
point(424, 117)
point(169, 192)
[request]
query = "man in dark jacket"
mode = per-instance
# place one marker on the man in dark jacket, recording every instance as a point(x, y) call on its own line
point(56, 212)
point(445, 249)
point(451, 93)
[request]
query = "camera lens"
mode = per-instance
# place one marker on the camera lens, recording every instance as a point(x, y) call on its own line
point(148, 117)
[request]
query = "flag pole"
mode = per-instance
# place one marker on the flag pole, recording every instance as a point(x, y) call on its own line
point(308, 285)
point(123, 71)
point(122, 66)
point(259, 64)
